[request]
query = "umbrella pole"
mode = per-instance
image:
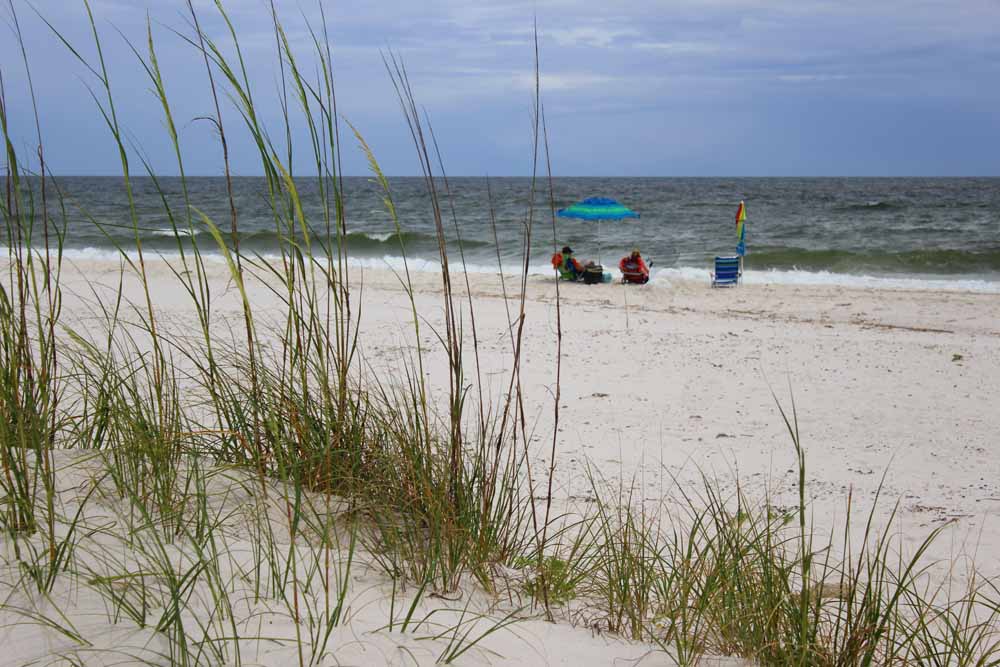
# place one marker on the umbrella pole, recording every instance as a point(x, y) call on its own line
point(600, 242)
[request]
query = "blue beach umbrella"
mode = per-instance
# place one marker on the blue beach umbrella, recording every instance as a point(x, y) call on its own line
point(597, 209)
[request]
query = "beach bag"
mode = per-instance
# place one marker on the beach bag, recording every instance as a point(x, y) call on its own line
point(593, 274)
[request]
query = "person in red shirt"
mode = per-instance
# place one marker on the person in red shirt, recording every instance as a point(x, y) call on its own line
point(633, 269)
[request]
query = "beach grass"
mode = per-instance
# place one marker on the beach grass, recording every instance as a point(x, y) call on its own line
point(218, 478)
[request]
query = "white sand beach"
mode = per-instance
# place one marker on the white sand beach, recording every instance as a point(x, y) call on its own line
point(660, 384)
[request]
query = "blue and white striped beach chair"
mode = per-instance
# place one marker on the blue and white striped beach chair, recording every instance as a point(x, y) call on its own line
point(727, 272)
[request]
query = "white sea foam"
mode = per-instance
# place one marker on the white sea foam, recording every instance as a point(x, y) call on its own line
point(661, 277)
point(820, 278)
point(167, 231)
point(91, 254)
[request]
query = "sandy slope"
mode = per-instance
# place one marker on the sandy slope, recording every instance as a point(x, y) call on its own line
point(659, 384)
point(363, 638)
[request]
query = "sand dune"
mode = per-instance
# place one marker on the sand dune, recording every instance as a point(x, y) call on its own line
point(660, 385)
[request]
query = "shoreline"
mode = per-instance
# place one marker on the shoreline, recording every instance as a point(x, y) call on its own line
point(660, 276)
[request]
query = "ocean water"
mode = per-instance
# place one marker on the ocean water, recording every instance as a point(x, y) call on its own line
point(905, 232)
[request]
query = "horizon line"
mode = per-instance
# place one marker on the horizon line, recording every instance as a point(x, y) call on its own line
point(540, 175)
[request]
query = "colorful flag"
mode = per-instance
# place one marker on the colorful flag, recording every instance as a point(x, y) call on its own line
point(741, 230)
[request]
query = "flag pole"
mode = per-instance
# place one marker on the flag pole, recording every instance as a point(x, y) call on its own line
point(741, 235)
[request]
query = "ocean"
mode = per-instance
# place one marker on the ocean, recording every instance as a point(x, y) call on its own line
point(941, 233)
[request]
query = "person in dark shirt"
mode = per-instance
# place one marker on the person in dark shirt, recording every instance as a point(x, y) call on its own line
point(568, 266)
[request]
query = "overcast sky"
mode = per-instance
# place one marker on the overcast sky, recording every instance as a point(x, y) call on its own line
point(631, 88)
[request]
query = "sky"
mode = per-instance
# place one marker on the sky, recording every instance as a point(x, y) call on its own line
point(629, 87)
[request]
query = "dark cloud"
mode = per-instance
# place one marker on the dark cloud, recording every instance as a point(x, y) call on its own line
point(654, 87)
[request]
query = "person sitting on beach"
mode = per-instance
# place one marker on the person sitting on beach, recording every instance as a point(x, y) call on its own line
point(633, 269)
point(568, 266)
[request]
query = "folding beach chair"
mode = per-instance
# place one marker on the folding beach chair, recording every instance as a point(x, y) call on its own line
point(727, 272)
